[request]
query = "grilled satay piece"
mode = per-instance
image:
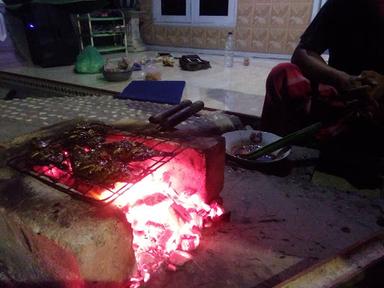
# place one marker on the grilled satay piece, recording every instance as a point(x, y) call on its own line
point(53, 150)
point(132, 151)
point(98, 166)
point(109, 162)
point(91, 158)
point(84, 133)
point(42, 152)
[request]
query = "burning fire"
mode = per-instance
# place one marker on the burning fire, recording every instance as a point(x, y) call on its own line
point(166, 224)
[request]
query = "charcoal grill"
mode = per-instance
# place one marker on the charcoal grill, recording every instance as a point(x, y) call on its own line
point(165, 196)
point(65, 180)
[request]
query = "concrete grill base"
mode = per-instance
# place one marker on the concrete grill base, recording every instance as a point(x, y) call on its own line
point(48, 238)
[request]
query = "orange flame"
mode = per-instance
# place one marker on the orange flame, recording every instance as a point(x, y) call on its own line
point(166, 224)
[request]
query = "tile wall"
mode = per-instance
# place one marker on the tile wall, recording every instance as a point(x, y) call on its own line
point(263, 26)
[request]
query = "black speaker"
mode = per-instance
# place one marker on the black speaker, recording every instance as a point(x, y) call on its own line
point(51, 35)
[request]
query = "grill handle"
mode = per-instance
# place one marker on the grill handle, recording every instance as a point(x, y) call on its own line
point(182, 115)
point(160, 117)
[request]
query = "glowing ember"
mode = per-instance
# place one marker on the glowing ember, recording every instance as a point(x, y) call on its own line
point(166, 224)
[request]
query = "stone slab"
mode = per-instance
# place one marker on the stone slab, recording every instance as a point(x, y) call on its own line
point(47, 236)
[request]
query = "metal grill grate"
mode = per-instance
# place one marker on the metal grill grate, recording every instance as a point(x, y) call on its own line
point(67, 181)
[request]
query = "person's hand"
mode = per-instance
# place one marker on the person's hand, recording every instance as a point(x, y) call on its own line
point(345, 82)
point(369, 92)
point(361, 86)
point(370, 78)
point(352, 89)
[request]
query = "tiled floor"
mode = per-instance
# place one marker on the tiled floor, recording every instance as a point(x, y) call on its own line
point(239, 89)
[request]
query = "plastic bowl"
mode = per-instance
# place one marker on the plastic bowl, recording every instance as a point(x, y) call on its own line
point(117, 75)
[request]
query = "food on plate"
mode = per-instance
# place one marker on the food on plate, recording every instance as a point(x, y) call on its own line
point(250, 145)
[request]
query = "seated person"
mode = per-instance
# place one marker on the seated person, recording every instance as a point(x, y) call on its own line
point(345, 94)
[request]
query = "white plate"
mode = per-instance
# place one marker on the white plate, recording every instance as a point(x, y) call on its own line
point(242, 137)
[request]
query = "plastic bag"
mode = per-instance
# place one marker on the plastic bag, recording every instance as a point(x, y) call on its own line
point(151, 71)
point(89, 61)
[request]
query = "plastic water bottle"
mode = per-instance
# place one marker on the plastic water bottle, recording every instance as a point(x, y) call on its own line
point(228, 53)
